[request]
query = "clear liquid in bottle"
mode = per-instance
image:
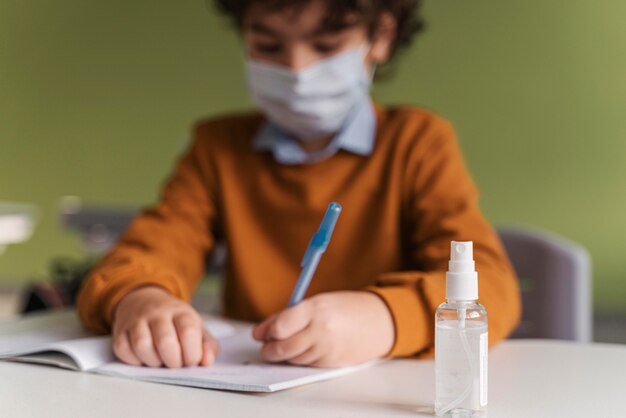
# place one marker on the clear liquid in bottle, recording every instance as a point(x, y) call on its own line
point(461, 365)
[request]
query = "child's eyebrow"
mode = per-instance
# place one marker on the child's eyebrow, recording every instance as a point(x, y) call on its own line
point(328, 28)
point(261, 28)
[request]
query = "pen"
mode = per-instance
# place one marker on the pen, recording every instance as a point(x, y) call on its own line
point(314, 252)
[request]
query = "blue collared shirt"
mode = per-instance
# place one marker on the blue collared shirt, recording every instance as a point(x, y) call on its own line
point(357, 136)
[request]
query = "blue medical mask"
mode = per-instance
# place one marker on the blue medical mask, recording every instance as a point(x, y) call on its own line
point(312, 102)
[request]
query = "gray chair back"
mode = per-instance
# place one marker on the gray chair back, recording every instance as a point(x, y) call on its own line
point(555, 279)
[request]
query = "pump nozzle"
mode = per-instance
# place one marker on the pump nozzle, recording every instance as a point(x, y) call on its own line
point(461, 278)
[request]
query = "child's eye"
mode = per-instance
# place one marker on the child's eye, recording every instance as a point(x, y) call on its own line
point(325, 48)
point(272, 48)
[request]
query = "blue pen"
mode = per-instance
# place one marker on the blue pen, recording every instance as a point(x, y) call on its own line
point(314, 252)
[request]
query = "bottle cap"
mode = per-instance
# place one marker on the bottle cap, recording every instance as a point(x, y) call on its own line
point(461, 278)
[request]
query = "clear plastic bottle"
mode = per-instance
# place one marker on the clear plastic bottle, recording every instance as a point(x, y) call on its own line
point(461, 340)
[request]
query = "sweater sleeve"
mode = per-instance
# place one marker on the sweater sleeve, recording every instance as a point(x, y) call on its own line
point(166, 245)
point(440, 205)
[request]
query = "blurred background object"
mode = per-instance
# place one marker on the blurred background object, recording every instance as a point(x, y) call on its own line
point(97, 100)
point(555, 281)
point(17, 222)
point(97, 227)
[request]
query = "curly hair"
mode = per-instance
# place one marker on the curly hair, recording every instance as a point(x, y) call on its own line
point(406, 12)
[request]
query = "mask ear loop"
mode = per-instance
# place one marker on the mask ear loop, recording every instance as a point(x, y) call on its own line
point(373, 73)
point(372, 70)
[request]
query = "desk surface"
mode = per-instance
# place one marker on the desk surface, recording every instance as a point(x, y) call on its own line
point(527, 378)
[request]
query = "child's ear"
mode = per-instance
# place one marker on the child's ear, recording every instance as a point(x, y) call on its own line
point(383, 38)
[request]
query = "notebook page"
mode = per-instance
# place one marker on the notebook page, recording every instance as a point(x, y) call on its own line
point(63, 333)
point(50, 358)
point(86, 353)
point(238, 367)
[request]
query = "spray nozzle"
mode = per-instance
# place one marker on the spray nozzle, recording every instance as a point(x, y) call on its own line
point(461, 278)
point(461, 251)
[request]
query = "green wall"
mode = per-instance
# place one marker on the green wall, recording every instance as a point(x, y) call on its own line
point(96, 100)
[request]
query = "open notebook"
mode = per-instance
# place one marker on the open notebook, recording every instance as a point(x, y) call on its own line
point(58, 339)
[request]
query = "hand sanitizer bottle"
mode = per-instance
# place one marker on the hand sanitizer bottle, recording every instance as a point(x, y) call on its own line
point(461, 341)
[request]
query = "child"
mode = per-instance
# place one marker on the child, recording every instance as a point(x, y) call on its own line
point(261, 183)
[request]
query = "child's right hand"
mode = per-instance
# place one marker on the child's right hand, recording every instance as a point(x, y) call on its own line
point(153, 328)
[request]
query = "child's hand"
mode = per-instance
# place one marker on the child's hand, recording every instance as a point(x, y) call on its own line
point(153, 328)
point(329, 330)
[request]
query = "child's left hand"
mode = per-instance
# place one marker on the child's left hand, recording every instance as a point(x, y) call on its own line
point(329, 330)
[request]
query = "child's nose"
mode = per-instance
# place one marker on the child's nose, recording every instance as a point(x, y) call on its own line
point(299, 57)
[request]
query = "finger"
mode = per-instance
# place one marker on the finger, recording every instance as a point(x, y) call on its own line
point(166, 342)
point(189, 331)
point(124, 351)
point(259, 332)
point(210, 349)
point(285, 350)
point(326, 362)
point(290, 321)
point(143, 346)
point(308, 358)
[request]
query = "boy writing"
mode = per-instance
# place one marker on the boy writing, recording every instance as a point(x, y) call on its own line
point(261, 183)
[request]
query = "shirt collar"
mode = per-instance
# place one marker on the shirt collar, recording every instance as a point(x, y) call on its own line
point(357, 136)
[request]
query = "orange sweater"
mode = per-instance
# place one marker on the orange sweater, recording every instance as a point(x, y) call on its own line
point(402, 206)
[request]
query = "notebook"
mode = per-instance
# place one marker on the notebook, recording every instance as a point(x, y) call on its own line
point(58, 339)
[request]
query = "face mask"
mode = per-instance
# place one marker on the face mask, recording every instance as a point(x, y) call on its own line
point(314, 101)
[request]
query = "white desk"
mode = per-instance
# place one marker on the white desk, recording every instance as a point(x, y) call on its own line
point(527, 378)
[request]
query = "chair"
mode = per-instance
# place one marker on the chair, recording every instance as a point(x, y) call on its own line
point(555, 279)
